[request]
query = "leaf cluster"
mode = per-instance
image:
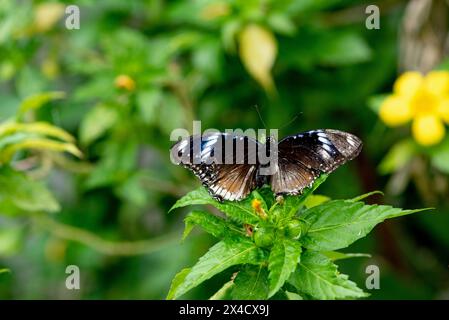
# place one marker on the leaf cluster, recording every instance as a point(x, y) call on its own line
point(283, 247)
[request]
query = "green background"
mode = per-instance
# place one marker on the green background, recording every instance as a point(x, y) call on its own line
point(185, 67)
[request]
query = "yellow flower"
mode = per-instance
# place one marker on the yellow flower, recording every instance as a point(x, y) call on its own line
point(124, 81)
point(256, 204)
point(424, 100)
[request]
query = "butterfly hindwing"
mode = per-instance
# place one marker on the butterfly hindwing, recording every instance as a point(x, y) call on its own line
point(303, 157)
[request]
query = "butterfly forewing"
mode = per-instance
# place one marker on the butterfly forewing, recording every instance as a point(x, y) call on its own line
point(303, 157)
point(226, 164)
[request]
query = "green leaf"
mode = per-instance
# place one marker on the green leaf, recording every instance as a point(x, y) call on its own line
point(224, 293)
point(221, 256)
point(148, 103)
point(208, 222)
point(311, 6)
point(293, 203)
point(240, 211)
point(172, 114)
point(441, 161)
point(318, 277)
point(251, 283)
point(208, 58)
point(338, 223)
point(284, 258)
point(96, 122)
point(314, 200)
point(228, 34)
point(267, 195)
point(41, 128)
point(176, 282)
point(16, 136)
point(36, 101)
point(375, 102)
point(38, 144)
point(398, 156)
point(118, 161)
point(366, 195)
point(132, 189)
point(4, 270)
point(13, 139)
point(310, 47)
point(281, 23)
point(293, 296)
point(10, 240)
point(344, 48)
point(26, 194)
point(440, 156)
point(335, 255)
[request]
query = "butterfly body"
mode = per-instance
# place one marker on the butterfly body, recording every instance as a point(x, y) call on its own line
point(231, 166)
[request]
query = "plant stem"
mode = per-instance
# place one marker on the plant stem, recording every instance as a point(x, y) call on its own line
point(126, 248)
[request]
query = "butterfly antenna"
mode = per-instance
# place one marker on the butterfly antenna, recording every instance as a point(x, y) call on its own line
point(260, 116)
point(291, 121)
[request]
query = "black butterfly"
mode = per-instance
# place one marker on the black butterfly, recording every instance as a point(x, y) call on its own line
point(230, 166)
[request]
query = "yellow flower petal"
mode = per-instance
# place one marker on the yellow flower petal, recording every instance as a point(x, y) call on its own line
point(443, 110)
point(428, 130)
point(124, 81)
point(408, 83)
point(257, 206)
point(424, 102)
point(395, 111)
point(437, 82)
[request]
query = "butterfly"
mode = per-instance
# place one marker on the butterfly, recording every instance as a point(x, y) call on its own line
point(230, 165)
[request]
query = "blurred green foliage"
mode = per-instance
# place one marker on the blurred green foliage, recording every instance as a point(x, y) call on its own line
point(133, 72)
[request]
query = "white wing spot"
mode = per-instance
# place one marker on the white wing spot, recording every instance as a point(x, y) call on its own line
point(328, 148)
point(323, 140)
point(183, 144)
